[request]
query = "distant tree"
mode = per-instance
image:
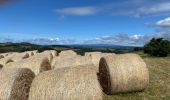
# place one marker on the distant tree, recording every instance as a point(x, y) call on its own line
point(137, 49)
point(157, 47)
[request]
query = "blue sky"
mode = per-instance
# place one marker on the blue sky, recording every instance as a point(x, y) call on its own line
point(119, 22)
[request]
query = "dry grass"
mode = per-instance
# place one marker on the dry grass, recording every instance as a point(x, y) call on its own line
point(69, 83)
point(15, 83)
point(159, 86)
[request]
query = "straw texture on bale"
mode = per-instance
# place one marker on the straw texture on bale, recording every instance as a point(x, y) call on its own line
point(46, 54)
point(71, 83)
point(36, 63)
point(35, 52)
point(123, 73)
point(18, 56)
point(67, 53)
point(5, 61)
point(15, 83)
point(53, 52)
point(96, 56)
point(75, 61)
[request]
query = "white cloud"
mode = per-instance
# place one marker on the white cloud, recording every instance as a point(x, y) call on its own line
point(125, 39)
point(148, 9)
point(162, 26)
point(164, 23)
point(158, 8)
point(81, 11)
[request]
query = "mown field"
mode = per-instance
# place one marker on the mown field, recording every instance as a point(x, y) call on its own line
point(159, 87)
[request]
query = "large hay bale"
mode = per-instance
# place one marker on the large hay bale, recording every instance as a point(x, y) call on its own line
point(75, 61)
point(96, 56)
point(67, 53)
point(36, 63)
point(46, 54)
point(123, 73)
point(35, 51)
point(71, 83)
point(53, 52)
point(15, 83)
point(5, 61)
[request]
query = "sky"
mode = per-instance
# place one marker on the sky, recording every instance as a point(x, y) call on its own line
point(117, 22)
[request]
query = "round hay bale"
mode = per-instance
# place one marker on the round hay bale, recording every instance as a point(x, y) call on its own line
point(18, 56)
point(4, 55)
point(36, 63)
point(67, 53)
point(123, 73)
point(96, 56)
point(5, 61)
point(1, 66)
point(54, 53)
point(1, 56)
point(15, 83)
point(30, 53)
point(35, 52)
point(46, 54)
point(76, 61)
point(71, 83)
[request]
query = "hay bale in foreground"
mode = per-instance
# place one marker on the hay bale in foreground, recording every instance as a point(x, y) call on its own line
point(123, 73)
point(36, 63)
point(71, 83)
point(5, 61)
point(15, 83)
point(75, 61)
